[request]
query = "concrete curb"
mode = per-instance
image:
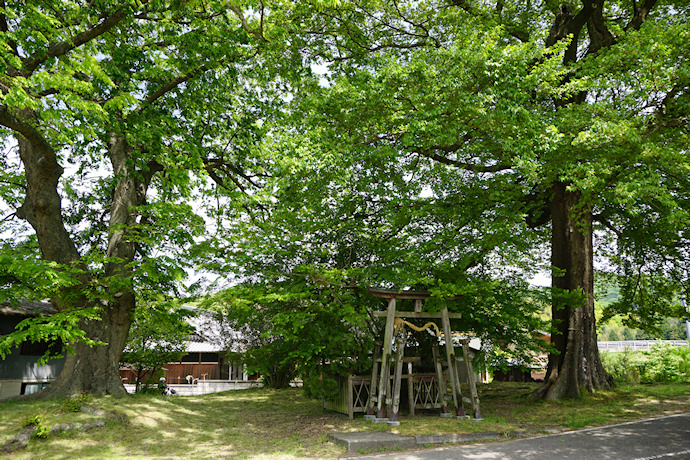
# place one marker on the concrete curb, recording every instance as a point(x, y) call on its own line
point(367, 441)
point(455, 438)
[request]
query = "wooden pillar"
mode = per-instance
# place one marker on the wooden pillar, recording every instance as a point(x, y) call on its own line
point(386, 359)
point(452, 365)
point(399, 353)
point(373, 385)
point(350, 402)
point(474, 397)
point(440, 381)
point(410, 388)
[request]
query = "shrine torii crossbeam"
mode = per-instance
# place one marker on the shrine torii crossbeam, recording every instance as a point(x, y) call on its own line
point(381, 401)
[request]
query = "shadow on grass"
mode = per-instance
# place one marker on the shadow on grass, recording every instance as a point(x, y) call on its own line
point(264, 423)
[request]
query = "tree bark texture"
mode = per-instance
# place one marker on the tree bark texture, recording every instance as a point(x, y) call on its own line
point(577, 363)
point(42, 204)
point(91, 369)
point(96, 370)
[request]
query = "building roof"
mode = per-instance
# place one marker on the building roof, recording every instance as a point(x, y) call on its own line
point(203, 347)
point(26, 308)
point(211, 334)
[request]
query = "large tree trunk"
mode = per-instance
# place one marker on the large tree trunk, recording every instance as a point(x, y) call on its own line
point(577, 363)
point(90, 369)
point(96, 370)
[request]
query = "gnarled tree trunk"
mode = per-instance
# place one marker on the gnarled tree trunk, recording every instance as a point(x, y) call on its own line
point(577, 363)
point(90, 369)
point(96, 370)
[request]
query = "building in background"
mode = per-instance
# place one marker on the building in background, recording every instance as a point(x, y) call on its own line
point(206, 358)
point(20, 372)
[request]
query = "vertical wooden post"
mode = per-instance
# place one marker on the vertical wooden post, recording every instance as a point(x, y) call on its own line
point(386, 358)
point(441, 382)
point(452, 365)
point(410, 388)
point(399, 353)
point(350, 402)
point(373, 385)
point(470, 380)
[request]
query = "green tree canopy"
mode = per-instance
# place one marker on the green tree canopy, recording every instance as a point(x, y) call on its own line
point(449, 135)
point(157, 336)
point(121, 116)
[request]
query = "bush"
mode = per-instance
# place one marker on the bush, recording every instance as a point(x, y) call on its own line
point(663, 363)
point(42, 431)
point(74, 403)
point(35, 420)
point(667, 363)
point(623, 366)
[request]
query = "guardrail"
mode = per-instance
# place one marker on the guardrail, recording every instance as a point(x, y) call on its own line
point(621, 345)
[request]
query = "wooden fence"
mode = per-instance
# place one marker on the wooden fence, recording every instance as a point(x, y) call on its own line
point(353, 393)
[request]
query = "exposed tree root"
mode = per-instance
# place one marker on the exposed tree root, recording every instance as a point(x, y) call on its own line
point(21, 440)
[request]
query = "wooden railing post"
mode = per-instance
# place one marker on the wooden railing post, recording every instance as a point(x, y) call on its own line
point(440, 381)
point(395, 406)
point(470, 380)
point(452, 365)
point(373, 385)
point(384, 383)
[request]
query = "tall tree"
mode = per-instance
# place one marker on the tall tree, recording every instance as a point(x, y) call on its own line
point(116, 96)
point(571, 114)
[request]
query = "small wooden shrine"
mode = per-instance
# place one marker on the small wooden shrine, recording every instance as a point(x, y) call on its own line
point(383, 403)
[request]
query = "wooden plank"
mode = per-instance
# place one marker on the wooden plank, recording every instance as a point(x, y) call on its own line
point(439, 379)
point(414, 314)
point(399, 353)
point(386, 358)
point(410, 388)
point(396, 294)
point(401, 294)
point(374, 381)
point(350, 402)
point(452, 365)
point(474, 397)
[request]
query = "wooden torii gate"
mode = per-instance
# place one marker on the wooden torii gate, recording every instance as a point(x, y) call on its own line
point(383, 401)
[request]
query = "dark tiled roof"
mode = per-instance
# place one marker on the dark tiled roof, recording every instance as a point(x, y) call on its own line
point(26, 308)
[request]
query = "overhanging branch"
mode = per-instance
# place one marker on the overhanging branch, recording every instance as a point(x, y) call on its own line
point(61, 48)
point(432, 153)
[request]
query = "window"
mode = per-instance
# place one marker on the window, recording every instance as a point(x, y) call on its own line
point(236, 371)
point(190, 358)
point(30, 388)
point(40, 348)
point(209, 357)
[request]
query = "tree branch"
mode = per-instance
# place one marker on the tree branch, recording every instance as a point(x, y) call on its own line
point(245, 25)
point(5, 28)
point(640, 13)
point(29, 133)
point(61, 48)
point(606, 223)
point(169, 86)
point(211, 165)
point(432, 154)
point(511, 28)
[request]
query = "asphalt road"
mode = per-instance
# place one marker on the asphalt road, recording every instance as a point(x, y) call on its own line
point(660, 438)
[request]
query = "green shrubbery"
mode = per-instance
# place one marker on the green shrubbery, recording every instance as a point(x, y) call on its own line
point(663, 363)
point(74, 403)
point(42, 430)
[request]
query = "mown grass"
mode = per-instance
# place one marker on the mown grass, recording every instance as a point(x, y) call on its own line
point(261, 424)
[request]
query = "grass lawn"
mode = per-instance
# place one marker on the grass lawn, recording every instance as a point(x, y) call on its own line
point(260, 423)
